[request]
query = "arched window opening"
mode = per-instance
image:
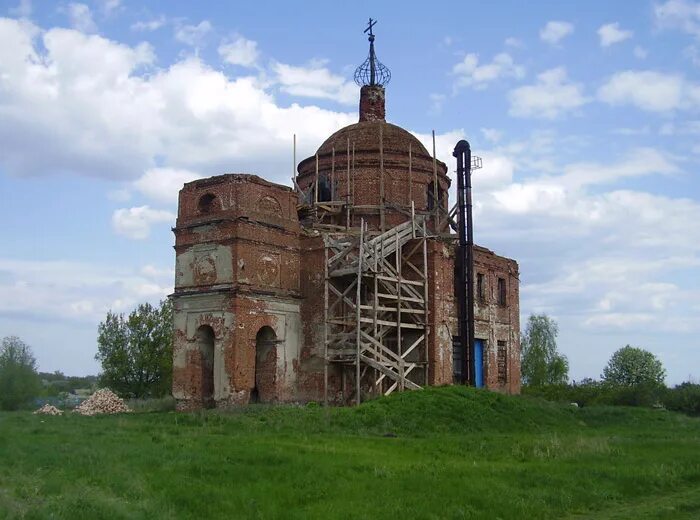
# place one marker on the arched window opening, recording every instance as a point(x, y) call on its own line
point(265, 366)
point(207, 203)
point(205, 344)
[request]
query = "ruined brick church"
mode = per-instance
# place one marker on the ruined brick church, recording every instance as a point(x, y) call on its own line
point(340, 288)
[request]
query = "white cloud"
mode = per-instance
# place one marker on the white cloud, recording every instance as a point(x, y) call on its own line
point(75, 290)
point(640, 53)
point(315, 81)
point(164, 184)
point(561, 196)
point(81, 18)
point(692, 52)
point(682, 15)
point(497, 171)
point(513, 42)
point(149, 25)
point(109, 6)
point(650, 90)
point(617, 293)
point(56, 305)
point(639, 162)
point(680, 128)
point(555, 31)
point(595, 259)
point(436, 103)
point(117, 122)
point(193, 35)
point(240, 51)
point(152, 271)
point(643, 130)
point(469, 73)
point(550, 97)
point(23, 9)
point(135, 223)
point(611, 34)
point(491, 134)
point(121, 195)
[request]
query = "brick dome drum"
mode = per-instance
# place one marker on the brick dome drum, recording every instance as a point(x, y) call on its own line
point(371, 158)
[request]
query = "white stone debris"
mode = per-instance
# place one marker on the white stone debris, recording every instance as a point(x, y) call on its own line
point(48, 409)
point(103, 401)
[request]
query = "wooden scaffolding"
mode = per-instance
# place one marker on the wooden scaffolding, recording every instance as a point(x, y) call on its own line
point(376, 294)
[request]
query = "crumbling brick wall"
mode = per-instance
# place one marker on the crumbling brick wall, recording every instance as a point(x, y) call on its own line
point(237, 258)
point(442, 311)
point(497, 321)
point(245, 265)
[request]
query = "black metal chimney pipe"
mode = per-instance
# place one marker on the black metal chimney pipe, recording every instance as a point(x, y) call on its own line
point(465, 275)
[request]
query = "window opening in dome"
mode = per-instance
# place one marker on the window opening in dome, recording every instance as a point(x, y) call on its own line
point(324, 189)
point(431, 196)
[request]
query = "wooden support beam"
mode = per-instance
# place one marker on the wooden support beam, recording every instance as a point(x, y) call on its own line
point(358, 389)
point(410, 175)
point(333, 174)
point(347, 188)
point(436, 187)
point(325, 330)
point(382, 216)
point(316, 182)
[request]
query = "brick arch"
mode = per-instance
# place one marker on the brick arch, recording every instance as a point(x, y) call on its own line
point(269, 205)
point(265, 387)
point(206, 340)
point(208, 203)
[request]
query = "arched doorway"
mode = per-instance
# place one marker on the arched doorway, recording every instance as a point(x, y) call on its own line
point(265, 366)
point(205, 343)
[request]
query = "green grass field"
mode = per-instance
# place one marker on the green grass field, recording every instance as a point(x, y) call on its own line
point(437, 453)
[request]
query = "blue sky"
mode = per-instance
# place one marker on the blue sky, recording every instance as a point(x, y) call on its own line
point(587, 116)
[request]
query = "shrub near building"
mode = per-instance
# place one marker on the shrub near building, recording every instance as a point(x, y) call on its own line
point(136, 352)
point(19, 381)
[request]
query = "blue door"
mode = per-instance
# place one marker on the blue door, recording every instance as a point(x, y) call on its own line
point(479, 362)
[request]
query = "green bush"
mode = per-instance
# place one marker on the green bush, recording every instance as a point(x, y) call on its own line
point(683, 398)
point(19, 382)
point(589, 393)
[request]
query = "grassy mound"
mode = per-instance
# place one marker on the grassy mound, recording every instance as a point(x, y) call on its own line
point(453, 410)
point(446, 410)
point(436, 453)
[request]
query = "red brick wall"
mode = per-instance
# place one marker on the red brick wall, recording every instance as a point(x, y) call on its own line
point(442, 311)
point(495, 322)
point(401, 186)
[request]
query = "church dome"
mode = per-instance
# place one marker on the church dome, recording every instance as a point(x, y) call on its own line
point(365, 135)
point(372, 171)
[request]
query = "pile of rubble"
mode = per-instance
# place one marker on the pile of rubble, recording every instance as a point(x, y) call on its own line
point(48, 409)
point(103, 401)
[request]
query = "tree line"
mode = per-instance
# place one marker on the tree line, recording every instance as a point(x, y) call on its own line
point(135, 353)
point(632, 376)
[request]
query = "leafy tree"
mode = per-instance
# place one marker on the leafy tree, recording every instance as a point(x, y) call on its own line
point(631, 366)
point(136, 352)
point(541, 364)
point(19, 381)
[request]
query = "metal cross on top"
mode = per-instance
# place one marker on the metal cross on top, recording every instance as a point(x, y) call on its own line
point(372, 72)
point(370, 24)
